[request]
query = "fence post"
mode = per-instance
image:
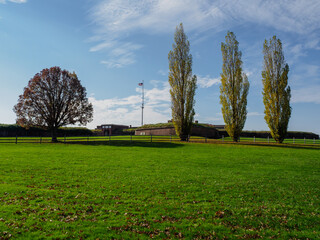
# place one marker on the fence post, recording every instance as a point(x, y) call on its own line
point(254, 139)
point(40, 139)
point(16, 139)
point(151, 137)
point(130, 137)
point(206, 139)
point(64, 140)
point(222, 138)
point(293, 140)
point(268, 139)
point(170, 137)
point(314, 141)
point(304, 140)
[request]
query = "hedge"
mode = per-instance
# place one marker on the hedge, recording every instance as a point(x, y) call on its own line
point(12, 130)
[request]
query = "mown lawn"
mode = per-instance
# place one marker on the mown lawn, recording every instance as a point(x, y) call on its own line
point(159, 190)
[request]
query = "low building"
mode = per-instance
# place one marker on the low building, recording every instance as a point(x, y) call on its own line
point(197, 130)
point(112, 129)
point(219, 126)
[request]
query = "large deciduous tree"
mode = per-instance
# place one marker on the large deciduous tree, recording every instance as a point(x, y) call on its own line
point(276, 92)
point(234, 88)
point(183, 84)
point(52, 99)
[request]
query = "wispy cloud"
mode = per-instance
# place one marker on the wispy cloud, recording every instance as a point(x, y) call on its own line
point(128, 110)
point(159, 16)
point(206, 82)
point(119, 55)
point(14, 1)
point(304, 74)
point(163, 73)
point(298, 17)
point(306, 95)
point(313, 43)
point(115, 20)
point(250, 114)
point(119, 62)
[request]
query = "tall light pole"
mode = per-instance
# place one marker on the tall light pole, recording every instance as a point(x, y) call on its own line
point(142, 101)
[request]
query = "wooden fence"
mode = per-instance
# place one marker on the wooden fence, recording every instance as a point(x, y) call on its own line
point(151, 138)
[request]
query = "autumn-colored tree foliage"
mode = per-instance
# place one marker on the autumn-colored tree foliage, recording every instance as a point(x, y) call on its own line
point(183, 84)
point(234, 88)
point(276, 92)
point(52, 99)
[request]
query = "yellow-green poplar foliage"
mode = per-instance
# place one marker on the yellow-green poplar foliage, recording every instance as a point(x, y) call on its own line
point(276, 92)
point(183, 84)
point(234, 88)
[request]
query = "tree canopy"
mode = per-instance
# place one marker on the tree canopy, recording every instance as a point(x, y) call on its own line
point(53, 98)
point(183, 84)
point(234, 88)
point(276, 92)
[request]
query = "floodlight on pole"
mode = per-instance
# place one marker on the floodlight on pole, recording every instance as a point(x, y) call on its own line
point(142, 101)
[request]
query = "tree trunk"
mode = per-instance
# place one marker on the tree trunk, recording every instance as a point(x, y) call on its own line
point(183, 137)
point(54, 135)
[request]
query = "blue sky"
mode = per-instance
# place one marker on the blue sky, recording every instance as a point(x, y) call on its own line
point(113, 45)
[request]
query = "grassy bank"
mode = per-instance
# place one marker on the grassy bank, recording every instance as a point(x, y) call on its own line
point(161, 190)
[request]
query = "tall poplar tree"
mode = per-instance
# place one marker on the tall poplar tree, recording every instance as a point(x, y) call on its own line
point(183, 84)
point(234, 88)
point(276, 92)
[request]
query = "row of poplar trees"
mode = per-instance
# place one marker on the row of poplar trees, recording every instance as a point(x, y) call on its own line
point(234, 87)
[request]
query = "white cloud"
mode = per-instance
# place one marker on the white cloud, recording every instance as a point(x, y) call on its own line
point(295, 16)
point(128, 110)
point(312, 71)
point(14, 1)
point(313, 43)
point(304, 74)
point(119, 62)
point(102, 46)
point(248, 73)
point(306, 95)
point(300, 50)
point(119, 55)
point(297, 50)
point(115, 20)
point(163, 73)
point(159, 16)
point(206, 82)
point(294, 52)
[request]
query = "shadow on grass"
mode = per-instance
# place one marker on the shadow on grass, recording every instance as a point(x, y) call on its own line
point(122, 143)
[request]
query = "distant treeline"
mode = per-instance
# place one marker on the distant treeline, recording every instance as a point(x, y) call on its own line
point(266, 134)
point(12, 130)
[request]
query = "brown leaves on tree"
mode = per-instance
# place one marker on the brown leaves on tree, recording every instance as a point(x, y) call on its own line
point(53, 98)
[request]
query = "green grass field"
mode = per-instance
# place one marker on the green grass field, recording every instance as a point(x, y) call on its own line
point(159, 190)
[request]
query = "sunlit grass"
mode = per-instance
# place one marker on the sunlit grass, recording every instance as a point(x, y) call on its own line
point(161, 190)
